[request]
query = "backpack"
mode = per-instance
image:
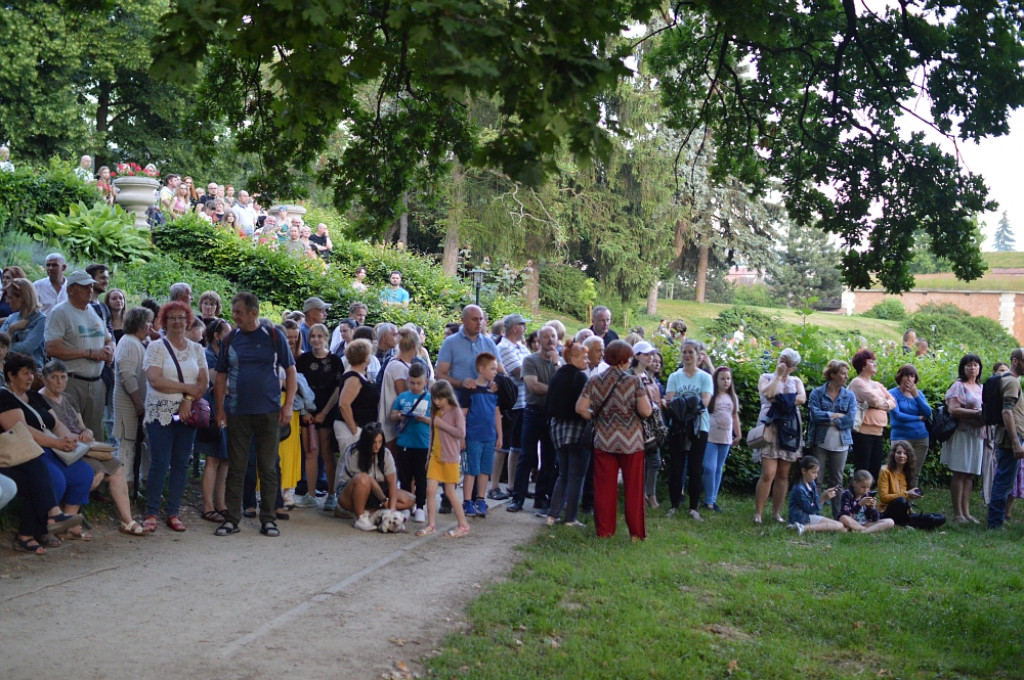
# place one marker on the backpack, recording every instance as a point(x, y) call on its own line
point(508, 392)
point(992, 400)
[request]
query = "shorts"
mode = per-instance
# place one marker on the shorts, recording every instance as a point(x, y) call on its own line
point(446, 473)
point(372, 502)
point(512, 430)
point(813, 519)
point(479, 457)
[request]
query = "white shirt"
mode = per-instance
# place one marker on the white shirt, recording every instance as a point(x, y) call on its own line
point(246, 216)
point(48, 297)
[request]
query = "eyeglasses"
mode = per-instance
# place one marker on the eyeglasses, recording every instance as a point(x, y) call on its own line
point(180, 319)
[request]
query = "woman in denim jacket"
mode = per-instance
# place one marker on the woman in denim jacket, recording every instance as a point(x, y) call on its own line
point(833, 409)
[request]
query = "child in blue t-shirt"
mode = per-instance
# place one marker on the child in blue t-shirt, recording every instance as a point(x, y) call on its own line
point(483, 434)
point(411, 413)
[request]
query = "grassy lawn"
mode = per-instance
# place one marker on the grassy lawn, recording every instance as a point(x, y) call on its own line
point(726, 599)
point(1010, 259)
point(987, 282)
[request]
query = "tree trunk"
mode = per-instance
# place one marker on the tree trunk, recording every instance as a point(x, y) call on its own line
point(702, 272)
point(531, 287)
point(652, 298)
point(450, 261)
point(403, 221)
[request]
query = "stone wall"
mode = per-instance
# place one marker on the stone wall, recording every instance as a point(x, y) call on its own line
point(1004, 307)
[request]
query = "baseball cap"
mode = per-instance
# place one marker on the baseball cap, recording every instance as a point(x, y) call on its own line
point(643, 347)
point(513, 319)
point(314, 303)
point(79, 278)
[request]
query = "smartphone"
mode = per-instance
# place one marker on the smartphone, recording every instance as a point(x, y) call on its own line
point(872, 494)
point(917, 491)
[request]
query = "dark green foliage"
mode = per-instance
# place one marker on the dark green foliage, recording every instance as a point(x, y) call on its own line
point(756, 324)
point(31, 192)
point(154, 279)
point(757, 295)
point(97, 233)
point(889, 308)
point(963, 332)
point(566, 289)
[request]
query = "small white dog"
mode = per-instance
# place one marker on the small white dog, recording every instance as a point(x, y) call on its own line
point(388, 521)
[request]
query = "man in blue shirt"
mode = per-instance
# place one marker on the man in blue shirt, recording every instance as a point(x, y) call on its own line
point(456, 360)
point(247, 393)
point(394, 294)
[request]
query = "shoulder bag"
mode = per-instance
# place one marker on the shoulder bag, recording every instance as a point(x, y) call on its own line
point(17, 446)
point(199, 416)
point(67, 457)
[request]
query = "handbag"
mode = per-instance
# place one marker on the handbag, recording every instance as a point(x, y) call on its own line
point(655, 429)
point(100, 451)
point(74, 455)
point(943, 425)
point(858, 420)
point(587, 438)
point(199, 416)
point(761, 435)
point(17, 446)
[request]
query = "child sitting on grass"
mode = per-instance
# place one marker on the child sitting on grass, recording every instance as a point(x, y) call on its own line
point(483, 434)
point(858, 511)
point(805, 504)
point(447, 432)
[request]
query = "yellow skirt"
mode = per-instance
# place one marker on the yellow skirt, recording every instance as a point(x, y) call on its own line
point(446, 473)
point(290, 451)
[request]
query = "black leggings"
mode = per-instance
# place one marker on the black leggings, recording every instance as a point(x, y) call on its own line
point(867, 453)
point(411, 465)
point(690, 459)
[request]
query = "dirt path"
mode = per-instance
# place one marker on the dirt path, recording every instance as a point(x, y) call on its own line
point(322, 600)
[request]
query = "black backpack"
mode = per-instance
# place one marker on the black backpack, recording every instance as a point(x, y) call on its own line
point(508, 392)
point(992, 400)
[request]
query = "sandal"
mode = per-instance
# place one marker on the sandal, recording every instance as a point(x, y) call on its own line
point(63, 522)
point(213, 516)
point(149, 523)
point(427, 530)
point(281, 514)
point(132, 528)
point(249, 512)
point(226, 529)
point(175, 524)
point(457, 532)
point(270, 529)
point(80, 535)
point(49, 541)
point(28, 545)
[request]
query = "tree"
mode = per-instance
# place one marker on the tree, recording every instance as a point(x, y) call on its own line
point(818, 110)
point(806, 269)
point(1003, 240)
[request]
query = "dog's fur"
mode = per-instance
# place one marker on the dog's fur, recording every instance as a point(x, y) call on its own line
point(388, 521)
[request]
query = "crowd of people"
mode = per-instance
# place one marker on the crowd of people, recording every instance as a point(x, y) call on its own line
point(360, 418)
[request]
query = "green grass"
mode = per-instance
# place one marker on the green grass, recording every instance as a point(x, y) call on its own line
point(987, 282)
point(1010, 259)
point(726, 599)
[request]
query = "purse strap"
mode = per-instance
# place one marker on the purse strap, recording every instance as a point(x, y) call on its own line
point(42, 423)
point(603, 401)
point(174, 358)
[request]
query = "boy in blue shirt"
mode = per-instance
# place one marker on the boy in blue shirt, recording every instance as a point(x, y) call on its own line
point(411, 413)
point(483, 434)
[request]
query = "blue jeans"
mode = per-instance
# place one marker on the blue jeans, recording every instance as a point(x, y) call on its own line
point(535, 431)
point(572, 469)
point(169, 448)
point(1002, 484)
point(714, 461)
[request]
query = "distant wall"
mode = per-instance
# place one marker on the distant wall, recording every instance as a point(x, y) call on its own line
point(1006, 308)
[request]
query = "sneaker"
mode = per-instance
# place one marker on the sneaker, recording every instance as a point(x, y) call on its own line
point(305, 501)
point(481, 507)
point(406, 514)
point(575, 523)
point(288, 497)
point(468, 508)
point(497, 495)
point(696, 516)
point(541, 506)
point(798, 528)
point(671, 512)
point(364, 523)
point(330, 503)
point(419, 516)
point(446, 507)
point(514, 506)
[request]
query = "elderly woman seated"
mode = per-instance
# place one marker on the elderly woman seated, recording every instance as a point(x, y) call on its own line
point(64, 407)
point(68, 484)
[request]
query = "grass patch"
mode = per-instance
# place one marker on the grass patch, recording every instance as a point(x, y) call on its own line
point(726, 599)
point(1004, 259)
point(988, 282)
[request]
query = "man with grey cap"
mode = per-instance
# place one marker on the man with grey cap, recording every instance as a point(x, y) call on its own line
point(76, 335)
point(315, 311)
point(513, 351)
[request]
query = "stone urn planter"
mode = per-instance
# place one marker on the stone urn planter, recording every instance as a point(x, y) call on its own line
point(137, 195)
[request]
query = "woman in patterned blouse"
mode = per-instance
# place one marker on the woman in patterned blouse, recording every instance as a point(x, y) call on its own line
point(620, 401)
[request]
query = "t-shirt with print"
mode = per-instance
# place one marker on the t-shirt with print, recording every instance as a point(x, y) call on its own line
point(700, 383)
point(1011, 390)
point(721, 421)
point(481, 403)
point(322, 375)
point(248, 359)
point(416, 435)
point(81, 329)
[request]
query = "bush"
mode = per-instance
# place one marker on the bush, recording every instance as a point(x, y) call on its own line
point(757, 295)
point(101, 233)
point(756, 324)
point(566, 289)
point(964, 333)
point(154, 278)
point(29, 193)
point(890, 309)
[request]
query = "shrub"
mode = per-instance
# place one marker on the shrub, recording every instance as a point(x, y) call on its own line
point(566, 289)
point(890, 309)
point(756, 295)
point(101, 233)
point(757, 324)
point(964, 333)
point(29, 193)
point(154, 278)
point(20, 249)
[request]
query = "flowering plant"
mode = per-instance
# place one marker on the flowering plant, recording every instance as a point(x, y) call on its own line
point(134, 169)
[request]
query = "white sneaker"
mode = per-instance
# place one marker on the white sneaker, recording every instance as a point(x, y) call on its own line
point(696, 516)
point(305, 501)
point(799, 528)
point(419, 516)
point(364, 523)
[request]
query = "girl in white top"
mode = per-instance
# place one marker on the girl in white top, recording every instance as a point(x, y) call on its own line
point(723, 433)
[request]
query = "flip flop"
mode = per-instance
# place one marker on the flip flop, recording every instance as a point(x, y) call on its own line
point(132, 528)
point(426, 530)
point(457, 532)
point(81, 535)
